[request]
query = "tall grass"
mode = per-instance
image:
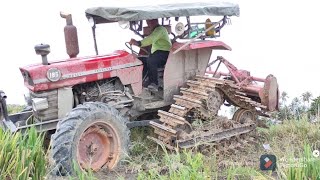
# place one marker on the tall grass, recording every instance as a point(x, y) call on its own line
point(22, 157)
point(296, 131)
point(79, 174)
point(294, 139)
point(304, 166)
point(179, 166)
point(238, 172)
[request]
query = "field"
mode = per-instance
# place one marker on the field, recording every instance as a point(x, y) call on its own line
point(292, 142)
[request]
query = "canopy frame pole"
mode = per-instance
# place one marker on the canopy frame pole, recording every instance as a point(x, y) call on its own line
point(136, 31)
point(94, 38)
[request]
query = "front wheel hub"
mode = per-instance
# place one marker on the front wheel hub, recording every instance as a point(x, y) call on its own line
point(97, 146)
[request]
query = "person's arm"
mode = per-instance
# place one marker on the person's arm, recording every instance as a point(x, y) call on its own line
point(149, 39)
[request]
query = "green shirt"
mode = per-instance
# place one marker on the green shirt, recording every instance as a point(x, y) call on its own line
point(159, 39)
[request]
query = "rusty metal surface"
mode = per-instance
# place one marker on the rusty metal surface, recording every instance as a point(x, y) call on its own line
point(98, 146)
point(265, 94)
point(195, 103)
point(71, 36)
point(244, 116)
point(93, 149)
point(270, 93)
point(212, 136)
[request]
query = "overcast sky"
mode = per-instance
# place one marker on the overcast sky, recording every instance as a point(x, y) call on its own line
point(269, 37)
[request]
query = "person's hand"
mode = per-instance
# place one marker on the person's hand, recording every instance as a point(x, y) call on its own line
point(133, 42)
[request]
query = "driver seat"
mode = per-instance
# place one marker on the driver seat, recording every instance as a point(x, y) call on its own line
point(145, 72)
point(147, 31)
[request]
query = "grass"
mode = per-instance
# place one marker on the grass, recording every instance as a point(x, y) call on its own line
point(178, 166)
point(294, 142)
point(81, 175)
point(291, 141)
point(306, 167)
point(14, 108)
point(22, 157)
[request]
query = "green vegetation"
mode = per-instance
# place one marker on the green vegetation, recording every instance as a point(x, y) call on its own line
point(299, 107)
point(15, 108)
point(183, 165)
point(292, 141)
point(306, 167)
point(81, 175)
point(22, 157)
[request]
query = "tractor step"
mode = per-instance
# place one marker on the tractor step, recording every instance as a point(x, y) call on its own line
point(170, 115)
point(162, 127)
point(161, 143)
point(178, 110)
point(187, 99)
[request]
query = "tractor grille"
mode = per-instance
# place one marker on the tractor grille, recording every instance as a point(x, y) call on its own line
point(52, 111)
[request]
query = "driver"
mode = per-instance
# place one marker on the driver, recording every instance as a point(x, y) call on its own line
point(161, 45)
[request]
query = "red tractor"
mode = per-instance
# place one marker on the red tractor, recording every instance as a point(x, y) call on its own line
point(89, 104)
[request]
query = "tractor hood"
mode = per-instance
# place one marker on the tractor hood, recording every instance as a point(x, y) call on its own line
point(39, 77)
point(107, 14)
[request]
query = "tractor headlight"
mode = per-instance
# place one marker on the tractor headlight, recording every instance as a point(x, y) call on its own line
point(39, 104)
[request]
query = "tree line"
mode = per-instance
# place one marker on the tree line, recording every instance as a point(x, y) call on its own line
point(299, 107)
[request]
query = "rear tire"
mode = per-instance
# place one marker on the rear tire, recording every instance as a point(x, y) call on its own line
point(92, 131)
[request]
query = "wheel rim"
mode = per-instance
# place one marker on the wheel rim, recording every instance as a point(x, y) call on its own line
point(244, 116)
point(235, 115)
point(98, 146)
point(214, 102)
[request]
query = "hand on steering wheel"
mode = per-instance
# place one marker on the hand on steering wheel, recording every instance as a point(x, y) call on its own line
point(129, 46)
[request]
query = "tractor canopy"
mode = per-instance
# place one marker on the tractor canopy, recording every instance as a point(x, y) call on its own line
point(107, 14)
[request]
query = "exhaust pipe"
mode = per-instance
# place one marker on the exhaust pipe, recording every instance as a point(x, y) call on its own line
point(71, 36)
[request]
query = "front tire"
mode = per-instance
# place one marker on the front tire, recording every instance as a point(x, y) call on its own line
point(91, 136)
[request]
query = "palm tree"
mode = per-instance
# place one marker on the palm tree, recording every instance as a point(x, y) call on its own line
point(295, 107)
point(284, 97)
point(306, 97)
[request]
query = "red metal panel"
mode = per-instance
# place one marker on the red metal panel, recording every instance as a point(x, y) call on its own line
point(80, 70)
point(131, 76)
point(203, 44)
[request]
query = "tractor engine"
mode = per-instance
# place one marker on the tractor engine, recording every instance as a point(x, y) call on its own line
point(45, 104)
point(109, 91)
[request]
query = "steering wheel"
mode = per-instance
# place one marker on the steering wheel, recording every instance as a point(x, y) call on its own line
point(129, 46)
